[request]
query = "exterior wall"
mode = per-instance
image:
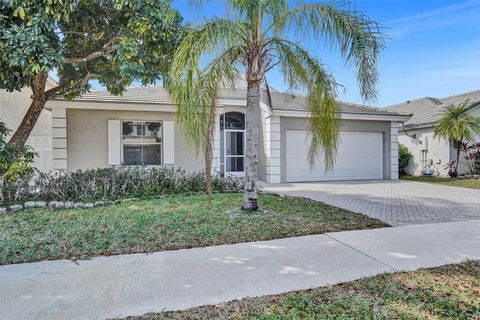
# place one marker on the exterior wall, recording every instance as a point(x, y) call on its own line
point(88, 140)
point(438, 152)
point(80, 137)
point(290, 123)
point(13, 106)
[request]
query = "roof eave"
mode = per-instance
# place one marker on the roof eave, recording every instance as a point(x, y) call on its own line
point(421, 125)
point(346, 115)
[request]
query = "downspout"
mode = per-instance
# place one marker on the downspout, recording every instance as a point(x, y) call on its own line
point(413, 136)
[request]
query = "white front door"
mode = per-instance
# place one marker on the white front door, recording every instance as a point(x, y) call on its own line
point(359, 157)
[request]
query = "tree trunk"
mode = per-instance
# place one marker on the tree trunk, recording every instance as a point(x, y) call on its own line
point(208, 172)
point(17, 141)
point(459, 146)
point(208, 151)
point(251, 156)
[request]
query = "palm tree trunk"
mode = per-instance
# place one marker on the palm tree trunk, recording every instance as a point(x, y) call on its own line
point(459, 146)
point(251, 156)
point(208, 150)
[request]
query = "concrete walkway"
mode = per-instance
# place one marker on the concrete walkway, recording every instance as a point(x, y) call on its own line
point(395, 202)
point(135, 284)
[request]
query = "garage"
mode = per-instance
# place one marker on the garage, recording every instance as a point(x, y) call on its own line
point(359, 157)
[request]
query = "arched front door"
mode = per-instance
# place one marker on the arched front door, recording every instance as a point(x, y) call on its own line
point(232, 130)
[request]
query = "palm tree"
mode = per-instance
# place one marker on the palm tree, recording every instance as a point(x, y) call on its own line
point(253, 41)
point(457, 124)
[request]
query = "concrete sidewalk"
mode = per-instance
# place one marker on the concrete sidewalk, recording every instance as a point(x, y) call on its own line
point(135, 284)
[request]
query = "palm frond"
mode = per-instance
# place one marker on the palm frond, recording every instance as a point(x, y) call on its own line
point(221, 72)
point(358, 38)
point(187, 82)
point(301, 69)
point(457, 124)
point(214, 35)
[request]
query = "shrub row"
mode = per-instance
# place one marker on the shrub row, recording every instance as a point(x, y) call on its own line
point(111, 184)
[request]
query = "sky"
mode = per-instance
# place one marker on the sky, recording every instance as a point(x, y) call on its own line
point(433, 48)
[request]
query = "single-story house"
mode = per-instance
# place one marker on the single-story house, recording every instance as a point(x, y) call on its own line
point(429, 153)
point(140, 128)
point(13, 107)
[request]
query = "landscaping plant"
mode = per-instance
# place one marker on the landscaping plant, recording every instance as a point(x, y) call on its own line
point(254, 39)
point(456, 125)
point(450, 166)
point(404, 156)
point(111, 184)
point(472, 156)
point(13, 166)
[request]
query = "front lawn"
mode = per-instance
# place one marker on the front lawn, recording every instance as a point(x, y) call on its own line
point(448, 292)
point(465, 183)
point(164, 224)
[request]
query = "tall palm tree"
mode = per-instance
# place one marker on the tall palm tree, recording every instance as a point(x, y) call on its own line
point(253, 40)
point(457, 124)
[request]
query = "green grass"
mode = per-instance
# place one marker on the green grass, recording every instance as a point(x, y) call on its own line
point(164, 224)
point(464, 183)
point(448, 292)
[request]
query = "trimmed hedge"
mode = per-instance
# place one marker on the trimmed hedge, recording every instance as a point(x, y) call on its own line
point(111, 184)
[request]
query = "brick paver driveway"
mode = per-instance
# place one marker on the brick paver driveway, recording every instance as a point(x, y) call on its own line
point(395, 202)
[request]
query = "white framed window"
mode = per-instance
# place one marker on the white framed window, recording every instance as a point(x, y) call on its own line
point(142, 142)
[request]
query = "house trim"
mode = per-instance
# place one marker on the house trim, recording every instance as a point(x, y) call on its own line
point(59, 139)
point(394, 150)
point(344, 115)
point(272, 149)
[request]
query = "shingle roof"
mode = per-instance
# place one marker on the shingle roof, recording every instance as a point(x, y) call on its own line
point(151, 94)
point(287, 101)
point(279, 100)
point(427, 110)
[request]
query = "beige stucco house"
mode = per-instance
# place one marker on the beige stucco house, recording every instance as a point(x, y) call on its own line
point(13, 106)
point(140, 128)
point(430, 153)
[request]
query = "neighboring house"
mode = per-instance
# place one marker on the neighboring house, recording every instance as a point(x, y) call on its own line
point(13, 106)
point(417, 133)
point(139, 128)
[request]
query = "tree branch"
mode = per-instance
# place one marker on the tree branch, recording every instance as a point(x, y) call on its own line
point(87, 77)
point(107, 48)
point(58, 90)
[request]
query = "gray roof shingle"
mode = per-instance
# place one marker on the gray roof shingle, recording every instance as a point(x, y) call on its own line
point(427, 110)
point(279, 100)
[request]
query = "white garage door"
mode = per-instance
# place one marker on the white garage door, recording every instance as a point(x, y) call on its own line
point(359, 157)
